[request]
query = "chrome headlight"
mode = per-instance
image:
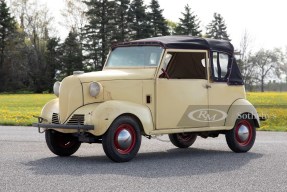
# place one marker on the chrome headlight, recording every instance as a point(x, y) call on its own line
point(95, 89)
point(56, 88)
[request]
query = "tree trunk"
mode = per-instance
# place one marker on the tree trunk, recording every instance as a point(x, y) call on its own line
point(262, 84)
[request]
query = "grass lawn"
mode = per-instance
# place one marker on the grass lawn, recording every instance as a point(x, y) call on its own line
point(273, 106)
point(19, 109)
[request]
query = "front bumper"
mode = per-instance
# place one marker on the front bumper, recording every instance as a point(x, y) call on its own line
point(76, 124)
point(64, 126)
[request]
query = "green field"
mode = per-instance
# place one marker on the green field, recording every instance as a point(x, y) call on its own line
point(19, 109)
point(273, 106)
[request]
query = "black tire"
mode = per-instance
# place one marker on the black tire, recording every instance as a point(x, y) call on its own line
point(61, 144)
point(182, 140)
point(241, 138)
point(122, 140)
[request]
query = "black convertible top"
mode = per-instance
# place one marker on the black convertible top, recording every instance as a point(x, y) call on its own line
point(190, 42)
point(183, 42)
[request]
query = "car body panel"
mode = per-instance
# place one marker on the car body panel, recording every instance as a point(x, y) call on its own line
point(110, 74)
point(176, 98)
point(221, 96)
point(71, 97)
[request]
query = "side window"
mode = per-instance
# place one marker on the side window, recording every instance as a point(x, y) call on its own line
point(185, 65)
point(220, 66)
point(223, 60)
point(215, 66)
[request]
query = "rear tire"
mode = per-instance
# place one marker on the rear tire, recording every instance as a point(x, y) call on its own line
point(241, 138)
point(182, 140)
point(61, 144)
point(122, 140)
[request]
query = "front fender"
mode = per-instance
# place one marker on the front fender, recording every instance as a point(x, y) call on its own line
point(239, 107)
point(105, 113)
point(101, 115)
point(50, 108)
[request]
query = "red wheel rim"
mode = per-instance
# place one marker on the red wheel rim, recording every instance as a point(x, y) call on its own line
point(243, 132)
point(127, 145)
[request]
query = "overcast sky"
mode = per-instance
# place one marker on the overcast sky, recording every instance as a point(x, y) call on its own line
point(265, 20)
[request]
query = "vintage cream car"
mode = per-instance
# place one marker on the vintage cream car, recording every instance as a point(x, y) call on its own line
point(182, 86)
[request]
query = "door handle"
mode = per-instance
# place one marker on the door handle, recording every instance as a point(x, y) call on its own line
point(207, 86)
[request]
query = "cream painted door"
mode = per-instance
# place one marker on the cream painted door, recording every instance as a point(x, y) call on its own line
point(182, 90)
point(181, 103)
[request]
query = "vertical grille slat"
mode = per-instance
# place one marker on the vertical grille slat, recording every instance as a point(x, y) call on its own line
point(55, 118)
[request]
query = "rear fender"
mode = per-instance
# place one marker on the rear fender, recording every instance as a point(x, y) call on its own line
point(241, 107)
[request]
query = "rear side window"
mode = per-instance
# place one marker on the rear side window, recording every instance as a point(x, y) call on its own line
point(220, 66)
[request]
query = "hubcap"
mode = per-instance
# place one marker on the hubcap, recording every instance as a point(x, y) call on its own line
point(243, 133)
point(124, 139)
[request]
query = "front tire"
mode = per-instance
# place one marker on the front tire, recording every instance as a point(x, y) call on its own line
point(122, 140)
point(61, 144)
point(241, 138)
point(182, 140)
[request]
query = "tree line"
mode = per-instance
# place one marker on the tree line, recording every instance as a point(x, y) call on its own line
point(32, 58)
point(262, 68)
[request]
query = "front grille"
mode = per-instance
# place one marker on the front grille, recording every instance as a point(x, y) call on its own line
point(55, 118)
point(77, 119)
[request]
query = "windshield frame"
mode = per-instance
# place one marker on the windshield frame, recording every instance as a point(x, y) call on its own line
point(135, 67)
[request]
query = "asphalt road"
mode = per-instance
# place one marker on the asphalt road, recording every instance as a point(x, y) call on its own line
point(26, 164)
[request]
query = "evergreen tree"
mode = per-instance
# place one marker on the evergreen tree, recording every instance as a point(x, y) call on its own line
point(15, 64)
point(100, 32)
point(138, 20)
point(7, 27)
point(71, 55)
point(53, 62)
point(189, 24)
point(157, 21)
point(122, 31)
point(217, 28)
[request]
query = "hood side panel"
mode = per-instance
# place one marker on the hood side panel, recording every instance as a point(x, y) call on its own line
point(70, 98)
point(124, 90)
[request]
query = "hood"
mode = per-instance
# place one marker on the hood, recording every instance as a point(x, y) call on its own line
point(118, 74)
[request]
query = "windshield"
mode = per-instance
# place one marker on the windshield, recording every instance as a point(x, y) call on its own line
point(137, 56)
